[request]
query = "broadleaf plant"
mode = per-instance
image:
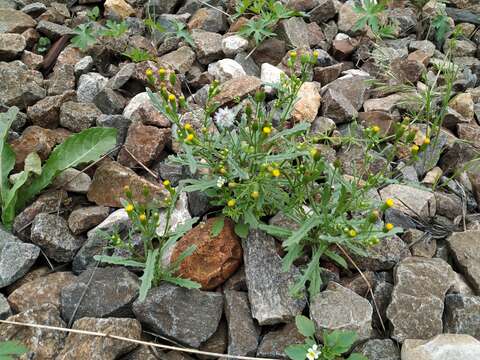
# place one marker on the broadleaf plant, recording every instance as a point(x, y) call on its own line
point(16, 191)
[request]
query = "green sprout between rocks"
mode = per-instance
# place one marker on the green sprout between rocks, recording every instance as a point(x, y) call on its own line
point(371, 12)
point(335, 343)
point(149, 239)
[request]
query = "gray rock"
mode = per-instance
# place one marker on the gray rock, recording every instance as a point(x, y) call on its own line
point(323, 11)
point(61, 80)
point(429, 158)
point(420, 243)
point(181, 59)
point(16, 258)
point(208, 46)
point(295, 32)
point(77, 117)
point(5, 310)
point(268, 285)
point(51, 233)
point(337, 107)
point(218, 342)
point(442, 347)
point(379, 349)
point(462, 315)
point(188, 316)
point(209, 19)
point(465, 249)
point(418, 296)
point(14, 21)
point(110, 293)
point(89, 85)
point(383, 256)
point(110, 101)
point(122, 76)
point(73, 180)
point(162, 6)
point(34, 9)
point(338, 308)
point(274, 342)
point(234, 44)
point(52, 30)
point(383, 295)
point(94, 245)
point(11, 46)
point(198, 203)
point(410, 200)
point(243, 333)
point(225, 69)
point(248, 64)
point(84, 65)
point(353, 86)
point(46, 112)
point(83, 219)
point(20, 86)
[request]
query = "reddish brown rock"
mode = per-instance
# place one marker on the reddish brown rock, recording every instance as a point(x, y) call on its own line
point(111, 178)
point(407, 71)
point(237, 88)
point(43, 290)
point(270, 51)
point(215, 258)
point(327, 74)
point(83, 219)
point(343, 49)
point(145, 143)
point(421, 56)
point(30, 276)
point(34, 139)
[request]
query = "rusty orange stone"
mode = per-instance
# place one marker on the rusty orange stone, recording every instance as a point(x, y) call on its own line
point(215, 259)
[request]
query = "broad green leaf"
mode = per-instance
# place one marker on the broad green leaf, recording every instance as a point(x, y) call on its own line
point(305, 326)
point(118, 260)
point(11, 350)
point(303, 231)
point(7, 156)
point(241, 230)
point(296, 352)
point(340, 341)
point(217, 226)
point(148, 274)
point(86, 146)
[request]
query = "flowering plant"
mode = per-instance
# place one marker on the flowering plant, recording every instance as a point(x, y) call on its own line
point(334, 345)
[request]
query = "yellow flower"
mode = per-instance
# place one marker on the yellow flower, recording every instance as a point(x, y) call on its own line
point(315, 54)
point(375, 129)
point(166, 182)
point(388, 226)
point(129, 208)
point(231, 202)
point(267, 130)
point(161, 71)
point(189, 137)
point(223, 171)
point(389, 203)
point(293, 54)
point(276, 172)
point(426, 141)
point(149, 72)
point(187, 127)
point(414, 149)
point(171, 97)
point(142, 218)
point(255, 194)
point(352, 233)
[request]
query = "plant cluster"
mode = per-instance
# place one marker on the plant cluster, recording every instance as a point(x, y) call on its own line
point(265, 15)
point(179, 30)
point(371, 13)
point(257, 164)
point(10, 350)
point(19, 188)
point(155, 238)
point(335, 344)
point(86, 34)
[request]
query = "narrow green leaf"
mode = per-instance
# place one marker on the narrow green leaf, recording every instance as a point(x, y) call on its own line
point(303, 231)
point(199, 185)
point(337, 258)
point(217, 226)
point(305, 326)
point(118, 260)
point(148, 274)
point(275, 231)
point(186, 283)
point(241, 230)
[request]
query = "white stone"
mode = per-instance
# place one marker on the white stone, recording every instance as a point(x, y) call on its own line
point(234, 44)
point(137, 101)
point(442, 347)
point(270, 74)
point(89, 85)
point(226, 69)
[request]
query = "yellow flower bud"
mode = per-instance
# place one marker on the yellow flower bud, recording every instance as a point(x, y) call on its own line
point(388, 226)
point(231, 202)
point(142, 218)
point(267, 130)
point(187, 127)
point(389, 203)
point(275, 172)
point(352, 233)
point(129, 208)
point(166, 183)
point(293, 54)
point(375, 129)
point(149, 72)
point(171, 98)
point(189, 137)
point(426, 141)
point(414, 149)
point(255, 194)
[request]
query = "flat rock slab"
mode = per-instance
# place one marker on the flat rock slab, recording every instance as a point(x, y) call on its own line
point(442, 347)
point(187, 316)
point(110, 292)
point(380, 349)
point(339, 308)
point(410, 200)
point(268, 285)
point(465, 249)
point(101, 348)
point(417, 304)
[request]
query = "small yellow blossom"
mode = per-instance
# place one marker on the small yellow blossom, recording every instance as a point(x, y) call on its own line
point(388, 226)
point(166, 182)
point(293, 54)
point(171, 97)
point(375, 129)
point(315, 54)
point(255, 194)
point(389, 203)
point(231, 202)
point(129, 208)
point(142, 218)
point(267, 130)
point(126, 188)
point(187, 126)
point(426, 141)
point(222, 171)
point(352, 233)
point(276, 172)
point(414, 149)
point(189, 137)
point(161, 71)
